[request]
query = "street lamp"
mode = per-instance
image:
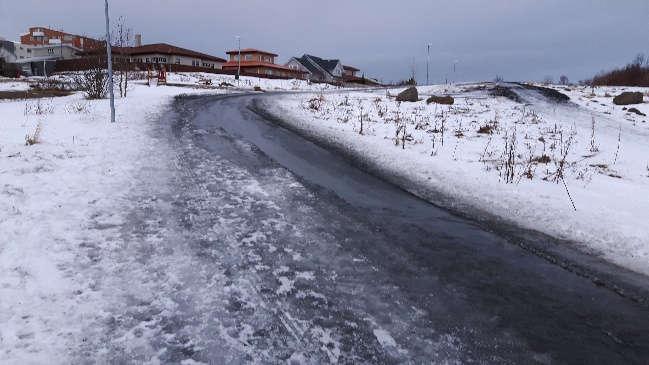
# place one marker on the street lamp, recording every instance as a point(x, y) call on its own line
point(239, 58)
point(427, 62)
point(110, 65)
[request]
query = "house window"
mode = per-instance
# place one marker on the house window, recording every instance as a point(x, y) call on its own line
point(147, 60)
point(248, 57)
point(178, 61)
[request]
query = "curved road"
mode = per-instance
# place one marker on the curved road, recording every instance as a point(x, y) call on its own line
point(266, 248)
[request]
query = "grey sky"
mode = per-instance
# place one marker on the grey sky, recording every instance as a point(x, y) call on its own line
point(517, 39)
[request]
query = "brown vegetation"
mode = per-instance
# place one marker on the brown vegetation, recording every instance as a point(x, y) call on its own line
point(635, 73)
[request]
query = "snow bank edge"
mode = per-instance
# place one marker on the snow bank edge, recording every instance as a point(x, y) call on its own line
point(561, 252)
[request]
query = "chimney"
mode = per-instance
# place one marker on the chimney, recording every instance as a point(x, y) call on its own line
point(138, 40)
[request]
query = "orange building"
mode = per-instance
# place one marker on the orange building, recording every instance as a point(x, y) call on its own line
point(41, 36)
point(254, 61)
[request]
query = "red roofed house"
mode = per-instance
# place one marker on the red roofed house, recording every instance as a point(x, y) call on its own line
point(41, 36)
point(254, 61)
point(162, 54)
point(169, 55)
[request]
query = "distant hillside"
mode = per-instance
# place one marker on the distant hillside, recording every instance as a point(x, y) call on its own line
point(635, 73)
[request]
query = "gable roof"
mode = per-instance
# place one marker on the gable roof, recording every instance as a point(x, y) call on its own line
point(327, 65)
point(312, 68)
point(316, 65)
point(350, 68)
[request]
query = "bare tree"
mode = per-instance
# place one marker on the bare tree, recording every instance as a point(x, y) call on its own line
point(123, 39)
point(563, 80)
point(640, 59)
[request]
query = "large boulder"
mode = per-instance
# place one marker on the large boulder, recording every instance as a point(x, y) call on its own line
point(409, 94)
point(627, 98)
point(447, 100)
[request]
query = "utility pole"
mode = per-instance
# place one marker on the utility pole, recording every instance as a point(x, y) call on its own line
point(239, 58)
point(110, 65)
point(427, 62)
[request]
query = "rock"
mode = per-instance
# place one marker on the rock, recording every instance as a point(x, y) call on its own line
point(257, 88)
point(448, 100)
point(627, 98)
point(634, 110)
point(409, 94)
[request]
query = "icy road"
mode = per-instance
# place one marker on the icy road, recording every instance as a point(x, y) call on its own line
point(254, 245)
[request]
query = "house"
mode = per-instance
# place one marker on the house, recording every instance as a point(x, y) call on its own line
point(259, 63)
point(37, 59)
point(42, 36)
point(40, 48)
point(174, 58)
point(349, 71)
point(316, 68)
point(163, 53)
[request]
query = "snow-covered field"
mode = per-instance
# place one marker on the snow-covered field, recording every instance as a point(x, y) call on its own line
point(526, 161)
point(245, 82)
point(51, 193)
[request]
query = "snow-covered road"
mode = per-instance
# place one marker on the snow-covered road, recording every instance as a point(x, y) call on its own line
point(203, 232)
point(248, 244)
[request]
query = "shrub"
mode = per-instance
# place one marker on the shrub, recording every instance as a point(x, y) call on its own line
point(93, 82)
point(33, 137)
point(635, 73)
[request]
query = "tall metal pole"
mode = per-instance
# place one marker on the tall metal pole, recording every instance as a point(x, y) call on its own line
point(427, 62)
point(110, 66)
point(239, 58)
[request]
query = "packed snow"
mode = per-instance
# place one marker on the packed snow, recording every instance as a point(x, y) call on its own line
point(577, 170)
point(63, 166)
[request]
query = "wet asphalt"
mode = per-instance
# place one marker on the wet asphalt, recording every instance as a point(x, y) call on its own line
point(314, 260)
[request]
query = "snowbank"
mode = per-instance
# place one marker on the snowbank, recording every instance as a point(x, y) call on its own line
point(245, 82)
point(464, 152)
point(49, 195)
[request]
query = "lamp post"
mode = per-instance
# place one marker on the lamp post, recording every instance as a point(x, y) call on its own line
point(110, 65)
point(427, 62)
point(238, 57)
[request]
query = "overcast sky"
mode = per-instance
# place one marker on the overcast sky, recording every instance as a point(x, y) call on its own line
point(515, 39)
